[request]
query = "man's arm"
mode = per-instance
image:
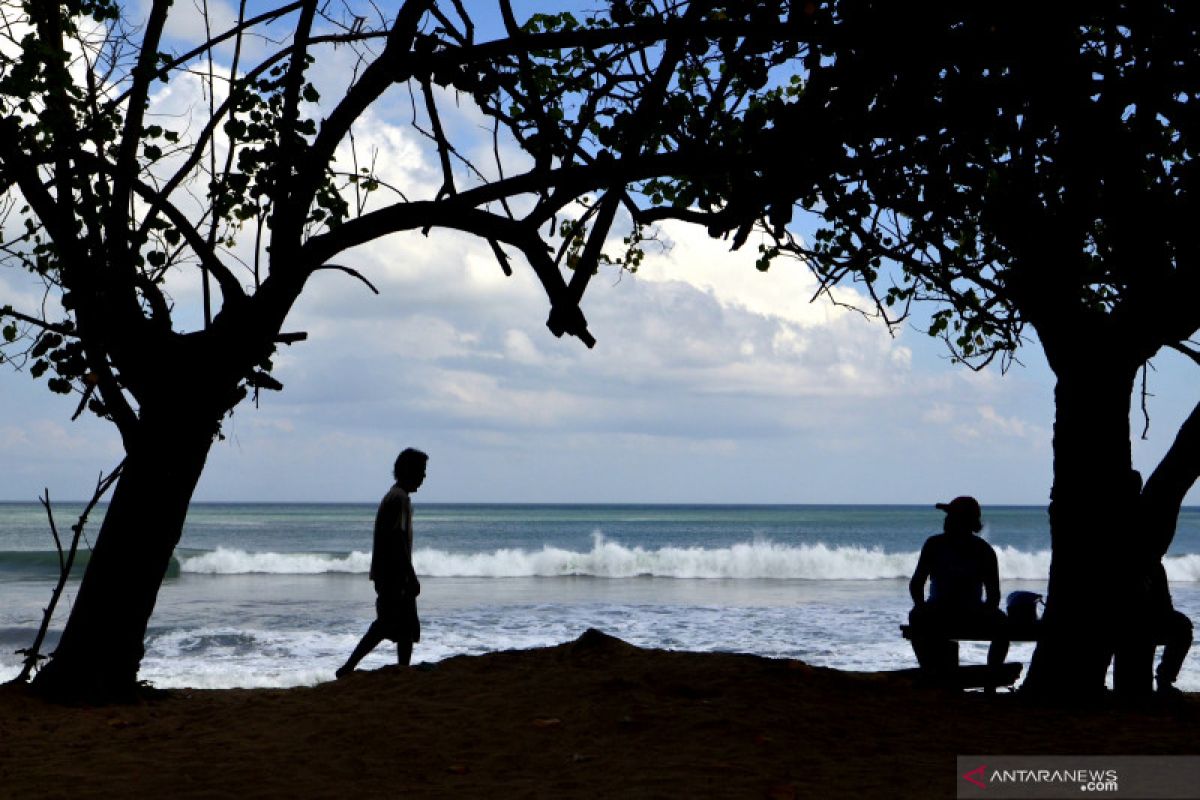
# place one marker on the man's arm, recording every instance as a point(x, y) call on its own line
point(916, 586)
point(991, 579)
point(411, 584)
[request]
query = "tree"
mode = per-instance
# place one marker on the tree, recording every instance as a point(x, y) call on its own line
point(1021, 172)
point(111, 206)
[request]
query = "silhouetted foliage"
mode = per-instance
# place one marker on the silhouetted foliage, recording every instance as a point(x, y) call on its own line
point(113, 207)
point(1020, 169)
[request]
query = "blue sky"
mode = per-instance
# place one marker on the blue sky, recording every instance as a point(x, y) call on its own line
point(710, 382)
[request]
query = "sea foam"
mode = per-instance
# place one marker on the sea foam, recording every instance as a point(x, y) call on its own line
point(608, 559)
point(228, 561)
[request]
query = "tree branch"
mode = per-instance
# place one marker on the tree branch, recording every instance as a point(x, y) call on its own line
point(61, 329)
point(565, 315)
point(375, 80)
point(288, 211)
point(1187, 350)
point(165, 69)
point(1170, 482)
point(231, 290)
point(125, 169)
point(33, 653)
point(352, 272)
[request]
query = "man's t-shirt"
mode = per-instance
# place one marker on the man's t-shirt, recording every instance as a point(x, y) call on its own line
point(391, 556)
point(958, 567)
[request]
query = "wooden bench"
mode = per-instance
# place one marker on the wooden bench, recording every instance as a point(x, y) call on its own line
point(969, 676)
point(973, 676)
point(1016, 633)
point(980, 676)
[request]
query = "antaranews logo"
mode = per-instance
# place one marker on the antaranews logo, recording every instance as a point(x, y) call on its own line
point(1085, 780)
point(1077, 776)
point(977, 776)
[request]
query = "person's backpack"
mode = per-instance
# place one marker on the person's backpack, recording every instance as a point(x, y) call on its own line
point(1022, 607)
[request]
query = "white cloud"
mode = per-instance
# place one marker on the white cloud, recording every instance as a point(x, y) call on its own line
point(784, 292)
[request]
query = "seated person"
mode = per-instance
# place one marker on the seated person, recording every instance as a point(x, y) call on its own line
point(964, 590)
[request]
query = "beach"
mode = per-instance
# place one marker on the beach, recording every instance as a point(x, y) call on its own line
point(594, 717)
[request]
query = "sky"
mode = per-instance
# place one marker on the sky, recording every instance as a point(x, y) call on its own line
point(710, 383)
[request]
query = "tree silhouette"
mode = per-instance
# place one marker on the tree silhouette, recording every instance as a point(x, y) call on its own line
point(115, 208)
point(1023, 173)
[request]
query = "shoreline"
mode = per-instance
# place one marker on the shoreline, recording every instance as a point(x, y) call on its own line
point(595, 717)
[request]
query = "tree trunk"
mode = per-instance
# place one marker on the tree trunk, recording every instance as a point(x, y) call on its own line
point(1097, 569)
point(102, 644)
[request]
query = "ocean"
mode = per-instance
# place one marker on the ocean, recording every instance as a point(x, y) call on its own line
point(277, 594)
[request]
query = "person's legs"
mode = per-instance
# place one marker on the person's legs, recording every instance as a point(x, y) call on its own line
point(404, 653)
point(370, 641)
point(1177, 630)
point(997, 623)
point(933, 650)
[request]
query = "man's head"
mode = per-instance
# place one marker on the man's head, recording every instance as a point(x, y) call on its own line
point(963, 515)
point(409, 470)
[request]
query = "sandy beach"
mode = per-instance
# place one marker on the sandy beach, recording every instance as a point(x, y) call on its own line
point(591, 718)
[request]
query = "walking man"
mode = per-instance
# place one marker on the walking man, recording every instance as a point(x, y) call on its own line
point(396, 584)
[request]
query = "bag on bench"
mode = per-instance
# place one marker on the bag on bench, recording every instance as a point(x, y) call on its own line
point(1022, 607)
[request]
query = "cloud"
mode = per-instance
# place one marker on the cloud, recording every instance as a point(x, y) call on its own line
point(783, 292)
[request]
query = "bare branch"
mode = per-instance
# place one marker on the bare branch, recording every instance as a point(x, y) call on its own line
point(351, 272)
point(33, 653)
point(125, 167)
point(439, 136)
point(376, 78)
point(54, 327)
point(1187, 350)
point(1145, 395)
point(230, 288)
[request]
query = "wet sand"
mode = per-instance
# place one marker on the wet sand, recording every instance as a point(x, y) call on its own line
point(594, 718)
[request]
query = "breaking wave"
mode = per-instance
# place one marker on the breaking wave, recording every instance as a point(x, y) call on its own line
point(606, 559)
point(609, 559)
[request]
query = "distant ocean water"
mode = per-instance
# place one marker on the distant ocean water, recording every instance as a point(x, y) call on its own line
point(277, 594)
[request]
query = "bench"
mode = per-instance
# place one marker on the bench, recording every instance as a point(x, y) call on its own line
point(1016, 633)
point(974, 676)
point(981, 676)
point(970, 676)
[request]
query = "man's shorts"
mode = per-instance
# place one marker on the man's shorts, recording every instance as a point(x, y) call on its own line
point(396, 616)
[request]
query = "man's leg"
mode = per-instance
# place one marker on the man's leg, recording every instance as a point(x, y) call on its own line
point(404, 653)
point(370, 641)
point(1178, 637)
point(933, 650)
point(997, 621)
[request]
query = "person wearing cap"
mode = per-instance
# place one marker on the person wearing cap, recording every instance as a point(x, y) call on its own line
point(964, 590)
